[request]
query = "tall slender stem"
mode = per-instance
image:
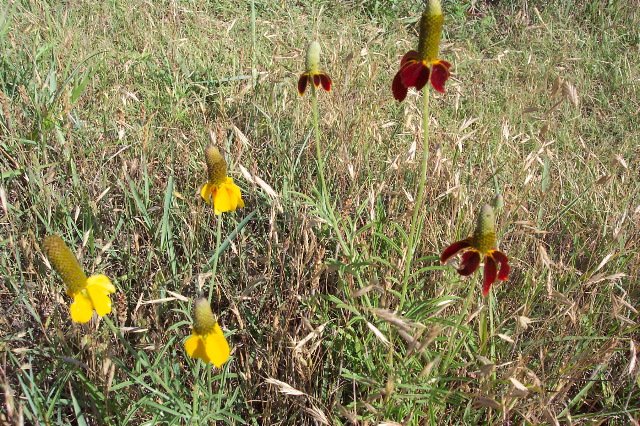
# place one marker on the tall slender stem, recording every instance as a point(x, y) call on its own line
point(316, 129)
point(324, 193)
point(416, 218)
point(214, 268)
point(254, 43)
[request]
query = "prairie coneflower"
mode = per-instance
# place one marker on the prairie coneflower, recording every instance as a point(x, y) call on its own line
point(207, 341)
point(422, 66)
point(219, 189)
point(313, 72)
point(88, 294)
point(481, 244)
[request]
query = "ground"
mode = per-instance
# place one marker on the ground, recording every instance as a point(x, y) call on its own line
point(106, 108)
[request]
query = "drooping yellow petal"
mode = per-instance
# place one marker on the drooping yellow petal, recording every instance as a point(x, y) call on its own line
point(237, 195)
point(222, 201)
point(205, 192)
point(227, 197)
point(81, 309)
point(217, 347)
point(98, 288)
point(195, 348)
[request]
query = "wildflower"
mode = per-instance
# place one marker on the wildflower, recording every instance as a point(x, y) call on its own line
point(422, 66)
point(481, 243)
point(207, 341)
point(88, 294)
point(313, 71)
point(220, 189)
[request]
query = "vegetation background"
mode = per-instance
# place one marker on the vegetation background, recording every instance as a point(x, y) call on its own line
point(106, 108)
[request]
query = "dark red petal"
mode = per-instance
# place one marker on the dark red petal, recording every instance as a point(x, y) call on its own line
point(503, 260)
point(316, 80)
point(302, 83)
point(439, 75)
point(411, 55)
point(399, 90)
point(423, 78)
point(469, 263)
point(454, 248)
point(411, 72)
point(490, 272)
point(325, 80)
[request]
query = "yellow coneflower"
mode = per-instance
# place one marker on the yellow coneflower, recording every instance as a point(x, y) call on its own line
point(481, 244)
point(207, 341)
point(220, 190)
point(313, 72)
point(417, 67)
point(88, 294)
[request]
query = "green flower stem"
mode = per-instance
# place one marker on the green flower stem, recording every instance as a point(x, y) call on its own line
point(254, 43)
point(324, 193)
point(214, 268)
point(316, 128)
point(417, 218)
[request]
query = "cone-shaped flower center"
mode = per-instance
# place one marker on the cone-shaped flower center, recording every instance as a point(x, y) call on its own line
point(484, 237)
point(430, 31)
point(204, 320)
point(65, 263)
point(216, 165)
point(313, 57)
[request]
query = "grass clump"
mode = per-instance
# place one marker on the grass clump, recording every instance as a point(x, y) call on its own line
point(102, 107)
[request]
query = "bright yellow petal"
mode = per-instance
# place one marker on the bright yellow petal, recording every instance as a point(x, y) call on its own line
point(194, 346)
point(217, 347)
point(222, 201)
point(191, 344)
point(101, 281)
point(236, 193)
point(99, 287)
point(205, 192)
point(81, 309)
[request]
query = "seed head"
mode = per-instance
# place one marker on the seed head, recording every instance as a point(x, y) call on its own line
point(65, 263)
point(216, 165)
point(485, 234)
point(313, 57)
point(430, 31)
point(204, 320)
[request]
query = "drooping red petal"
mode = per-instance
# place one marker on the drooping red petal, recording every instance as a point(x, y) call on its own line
point(399, 90)
point(454, 248)
point(439, 75)
point(325, 80)
point(411, 55)
point(490, 272)
point(316, 80)
point(469, 263)
point(302, 83)
point(423, 78)
point(412, 72)
point(503, 260)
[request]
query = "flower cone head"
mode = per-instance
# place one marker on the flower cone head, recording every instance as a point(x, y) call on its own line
point(430, 31)
point(207, 341)
point(216, 165)
point(204, 321)
point(484, 237)
point(312, 62)
point(65, 263)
